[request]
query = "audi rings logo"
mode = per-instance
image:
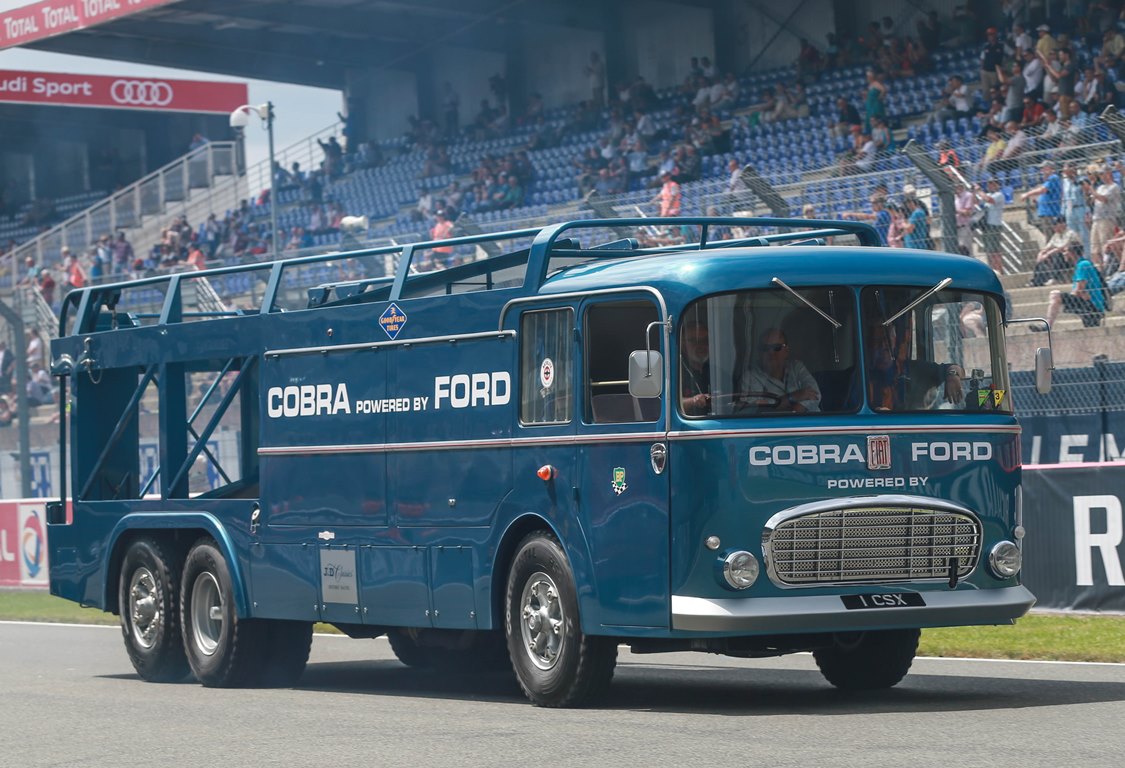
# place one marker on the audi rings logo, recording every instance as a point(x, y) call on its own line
point(141, 93)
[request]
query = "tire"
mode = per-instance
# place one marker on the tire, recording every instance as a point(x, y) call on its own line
point(148, 596)
point(408, 651)
point(223, 650)
point(286, 646)
point(868, 661)
point(557, 665)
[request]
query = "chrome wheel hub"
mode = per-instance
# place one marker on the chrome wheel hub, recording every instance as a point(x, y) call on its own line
point(206, 613)
point(542, 618)
point(144, 608)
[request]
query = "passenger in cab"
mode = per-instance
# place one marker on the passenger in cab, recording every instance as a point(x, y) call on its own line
point(695, 368)
point(897, 383)
point(778, 382)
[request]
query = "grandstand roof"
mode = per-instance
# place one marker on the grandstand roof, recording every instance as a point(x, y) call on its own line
point(315, 42)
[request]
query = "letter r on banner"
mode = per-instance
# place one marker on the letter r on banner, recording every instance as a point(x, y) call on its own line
point(1085, 541)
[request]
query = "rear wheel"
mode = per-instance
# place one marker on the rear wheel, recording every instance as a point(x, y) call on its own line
point(222, 649)
point(867, 661)
point(556, 663)
point(148, 601)
point(408, 651)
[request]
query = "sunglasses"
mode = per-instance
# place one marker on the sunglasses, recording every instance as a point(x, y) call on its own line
point(773, 347)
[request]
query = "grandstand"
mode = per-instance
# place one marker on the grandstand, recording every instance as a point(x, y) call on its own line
point(796, 159)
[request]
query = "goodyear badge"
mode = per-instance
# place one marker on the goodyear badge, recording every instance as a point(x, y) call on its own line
point(392, 320)
point(619, 486)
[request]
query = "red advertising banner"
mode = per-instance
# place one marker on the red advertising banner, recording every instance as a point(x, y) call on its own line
point(23, 543)
point(50, 18)
point(126, 92)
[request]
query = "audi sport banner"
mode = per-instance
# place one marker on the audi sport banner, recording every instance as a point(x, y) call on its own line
point(148, 93)
point(1073, 550)
point(49, 18)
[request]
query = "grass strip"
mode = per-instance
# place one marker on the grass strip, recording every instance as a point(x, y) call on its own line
point(1054, 636)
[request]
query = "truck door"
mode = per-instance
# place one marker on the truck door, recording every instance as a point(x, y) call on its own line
point(621, 464)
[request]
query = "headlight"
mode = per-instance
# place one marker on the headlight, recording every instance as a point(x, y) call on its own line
point(740, 569)
point(1005, 560)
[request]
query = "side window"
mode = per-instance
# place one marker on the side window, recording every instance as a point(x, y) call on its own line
point(547, 366)
point(612, 331)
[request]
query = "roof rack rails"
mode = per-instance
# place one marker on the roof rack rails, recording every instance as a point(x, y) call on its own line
point(546, 243)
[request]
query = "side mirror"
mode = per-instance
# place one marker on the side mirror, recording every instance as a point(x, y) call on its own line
point(1044, 364)
point(646, 373)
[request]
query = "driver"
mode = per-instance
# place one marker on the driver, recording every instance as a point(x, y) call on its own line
point(695, 391)
point(774, 373)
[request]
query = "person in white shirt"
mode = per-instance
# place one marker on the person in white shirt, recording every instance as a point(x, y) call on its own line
point(1107, 207)
point(1033, 74)
point(780, 383)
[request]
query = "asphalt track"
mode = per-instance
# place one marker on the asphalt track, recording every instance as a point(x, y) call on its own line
point(68, 697)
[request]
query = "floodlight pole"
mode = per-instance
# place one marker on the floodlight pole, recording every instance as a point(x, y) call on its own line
point(238, 120)
point(273, 182)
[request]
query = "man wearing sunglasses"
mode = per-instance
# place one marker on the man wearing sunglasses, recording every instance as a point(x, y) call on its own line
point(776, 382)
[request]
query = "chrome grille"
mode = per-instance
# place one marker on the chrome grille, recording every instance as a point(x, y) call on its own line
point(872, 544)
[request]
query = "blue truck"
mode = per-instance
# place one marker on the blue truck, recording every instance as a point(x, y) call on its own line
point(521, 450)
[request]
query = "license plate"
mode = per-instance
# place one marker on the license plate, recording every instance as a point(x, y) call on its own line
point(896, 600)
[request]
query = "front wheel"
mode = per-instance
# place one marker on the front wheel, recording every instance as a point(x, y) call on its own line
point(148, 601)
point(867, 661)
point(556, 663)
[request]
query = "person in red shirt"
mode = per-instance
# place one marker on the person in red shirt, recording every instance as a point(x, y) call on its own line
point(442, 230)
point(669, 197)
point(75, 275)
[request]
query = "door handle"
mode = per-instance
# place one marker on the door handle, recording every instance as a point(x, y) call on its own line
point(659, 456)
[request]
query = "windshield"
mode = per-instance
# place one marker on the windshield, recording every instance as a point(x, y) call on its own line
point(783, 351)
point(945, 354)
point(770, 352)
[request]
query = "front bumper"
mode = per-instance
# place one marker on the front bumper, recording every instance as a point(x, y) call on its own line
point(826, 613)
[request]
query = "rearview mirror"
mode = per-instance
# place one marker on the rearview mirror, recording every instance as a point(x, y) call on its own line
point(1044, 364)
point(646, 373)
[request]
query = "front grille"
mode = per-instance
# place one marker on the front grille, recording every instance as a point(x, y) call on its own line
point(872, 544)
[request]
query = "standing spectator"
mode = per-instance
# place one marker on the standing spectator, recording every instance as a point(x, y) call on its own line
point(442, 230)
point(7, 368)
point(47, 286)
point(991, 57)
point(992, 225)
point(451, 109)
point(1087, 296)
point(738, 193)
point(966, 205)
point(1014, 86)
point(34, 351)
point(1048, 195)
point(669, 197)
point(1064, 76)
point(1074, 205)
point(123, 253)
point(75, 274)
point(1107, 207)
point(595, 76)
point(875, 103)
point(896, 235)
point(1046, 44)
point(917, 226)
point(1032, 72)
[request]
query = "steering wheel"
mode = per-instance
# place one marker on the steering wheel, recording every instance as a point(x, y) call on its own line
point(740, 402)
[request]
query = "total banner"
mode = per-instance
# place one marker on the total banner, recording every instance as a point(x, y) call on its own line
point(1073, 548)
point(49, 18)
point(23, 543)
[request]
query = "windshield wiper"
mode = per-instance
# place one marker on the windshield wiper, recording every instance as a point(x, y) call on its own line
point(917, 301)
point(835, 323)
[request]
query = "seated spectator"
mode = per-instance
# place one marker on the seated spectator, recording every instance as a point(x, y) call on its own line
point(847, 118)
point(1086, 297)
point(991, 159)
point(954, 103)
point(40, 388)
point(1051, 261)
